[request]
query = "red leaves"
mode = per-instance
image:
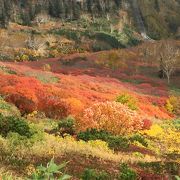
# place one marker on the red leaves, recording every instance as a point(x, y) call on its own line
point(29, 95)
point(147, 124)
point(55, 108)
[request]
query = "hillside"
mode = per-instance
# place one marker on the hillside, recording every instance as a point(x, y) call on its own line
point(67, 95)
point(161, 18)
point(89, 90)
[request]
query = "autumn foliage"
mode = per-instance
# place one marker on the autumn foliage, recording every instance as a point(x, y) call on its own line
point(29, 95)
point(146, 124)
point(113, 117)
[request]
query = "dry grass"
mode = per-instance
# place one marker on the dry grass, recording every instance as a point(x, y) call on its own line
point(56, 146)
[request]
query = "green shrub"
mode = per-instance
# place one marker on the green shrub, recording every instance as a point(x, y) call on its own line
point(128, 100)
point(139, 138)
point(67, 126)
point(127, 173)
point(171, 168)
point(110, 39)
point(92, 174)
point(114, 142)
point(7, 109)
point(70, 34)
point(100, 46)
point(14, 124)
point(93, 134)
point(156, 167)
point(176, 124)
point(51, 171)
point(7, 70)
point(118, 142)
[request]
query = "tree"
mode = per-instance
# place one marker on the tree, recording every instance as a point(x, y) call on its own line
point(169, 57)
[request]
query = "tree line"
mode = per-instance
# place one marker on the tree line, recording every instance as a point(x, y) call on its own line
point(24, 11)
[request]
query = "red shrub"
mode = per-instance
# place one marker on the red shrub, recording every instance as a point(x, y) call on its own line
point(55, 108)
point(29, 94)
point(146, 124)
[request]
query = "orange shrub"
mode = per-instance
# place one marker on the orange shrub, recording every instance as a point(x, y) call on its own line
point(76, 106)
point(111, 116)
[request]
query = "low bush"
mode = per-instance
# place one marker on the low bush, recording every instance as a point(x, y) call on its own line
point(93, 134)
point(7, 109)
point(55, 108)
point(7, 70)
point(146, 124)
point(127, 173)
point(155, 167)
point(111, 40)
point(173, 105)
point(128, 100)
point(139, 138)
point(171, 168)
point(176, 124)
point(118, 142)
point(67, 126)
point(113, 117)
point(92, 174)
point(14, 124)
point(46, 67)
point(114, 142)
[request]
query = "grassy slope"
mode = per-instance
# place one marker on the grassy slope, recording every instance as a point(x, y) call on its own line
point(83, 76)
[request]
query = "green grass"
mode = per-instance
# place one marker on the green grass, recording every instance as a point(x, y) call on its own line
point(7, 70)
point(174, 90)
point(43, 77)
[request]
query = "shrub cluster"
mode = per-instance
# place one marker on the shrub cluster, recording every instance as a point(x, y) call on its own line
point(173, 105)
point(139, 138)
point(114, 142)
point(67, 126)
point(14, 124)
point(128, 100)
point(113, 117)
point(160, 168)
point(28, 94)
point(127, 173)
point(94, 175)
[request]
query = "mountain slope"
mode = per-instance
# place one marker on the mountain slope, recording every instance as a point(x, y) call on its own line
point(160, 18)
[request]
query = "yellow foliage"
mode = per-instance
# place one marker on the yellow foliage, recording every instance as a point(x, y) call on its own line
point(54, 53)
point(46, 67)
point(33, 114)
point(30, 169)
point(165, 139)
point(169, 107)
point(102, 145)
point(112, 60)
point(24, 54)
point(155, 131)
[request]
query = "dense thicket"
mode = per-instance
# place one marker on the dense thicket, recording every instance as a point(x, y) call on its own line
point(161, 18)
point(24, 11)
